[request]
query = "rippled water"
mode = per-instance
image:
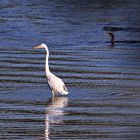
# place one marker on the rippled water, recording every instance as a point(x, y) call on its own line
point(103, 81)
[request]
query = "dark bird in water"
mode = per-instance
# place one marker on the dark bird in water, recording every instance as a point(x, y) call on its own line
point(112, 38)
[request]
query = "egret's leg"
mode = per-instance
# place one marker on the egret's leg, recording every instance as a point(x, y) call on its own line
point(53, 93)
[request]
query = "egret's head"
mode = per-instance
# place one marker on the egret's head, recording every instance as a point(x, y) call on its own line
point(40, 46)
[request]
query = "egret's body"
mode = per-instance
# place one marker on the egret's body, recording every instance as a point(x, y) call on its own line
point(56, 85)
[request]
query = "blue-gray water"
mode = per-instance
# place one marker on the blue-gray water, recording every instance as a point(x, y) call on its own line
point(103, 81)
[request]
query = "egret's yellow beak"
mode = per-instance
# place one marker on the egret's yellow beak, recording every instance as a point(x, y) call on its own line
point(37, 47)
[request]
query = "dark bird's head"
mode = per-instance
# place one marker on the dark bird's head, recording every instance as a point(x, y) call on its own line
point(112, 38)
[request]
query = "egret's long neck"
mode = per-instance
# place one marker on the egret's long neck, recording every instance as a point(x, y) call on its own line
point(47, 62)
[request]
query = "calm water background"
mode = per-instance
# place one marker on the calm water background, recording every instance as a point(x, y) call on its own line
point(104, 82)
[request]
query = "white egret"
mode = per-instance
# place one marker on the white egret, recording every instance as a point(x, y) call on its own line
point(56, 85)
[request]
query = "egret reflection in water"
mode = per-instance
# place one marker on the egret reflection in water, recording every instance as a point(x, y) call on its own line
point(55, 113)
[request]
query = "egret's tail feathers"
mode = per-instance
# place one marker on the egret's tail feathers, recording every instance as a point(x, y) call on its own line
point(65, 91)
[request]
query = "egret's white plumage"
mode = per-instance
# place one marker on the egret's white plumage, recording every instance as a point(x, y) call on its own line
point(56, 85)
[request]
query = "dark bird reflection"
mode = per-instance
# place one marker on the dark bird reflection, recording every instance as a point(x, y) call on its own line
point(55, 113)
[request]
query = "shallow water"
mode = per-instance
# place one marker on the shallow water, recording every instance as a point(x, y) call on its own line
point(103, 81)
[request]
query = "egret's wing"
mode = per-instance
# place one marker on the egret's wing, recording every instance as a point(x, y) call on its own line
point(55, 83)
point(51, 82)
